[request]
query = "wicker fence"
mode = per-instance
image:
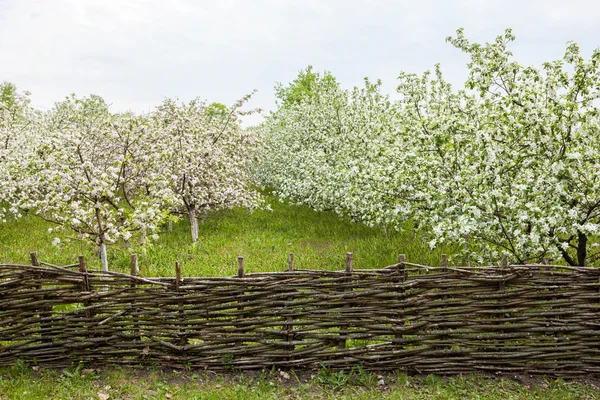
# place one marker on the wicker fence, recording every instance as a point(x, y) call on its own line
point(511, 318)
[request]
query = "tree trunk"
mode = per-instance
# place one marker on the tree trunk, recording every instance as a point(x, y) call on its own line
point(170, 226)
point(103, 257)
point(581, 249)
point(193, 223)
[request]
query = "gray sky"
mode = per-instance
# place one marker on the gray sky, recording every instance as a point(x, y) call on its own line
point(135, 53)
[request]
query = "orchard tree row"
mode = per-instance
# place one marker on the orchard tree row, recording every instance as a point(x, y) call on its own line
point(509, 163)
point(120, 177)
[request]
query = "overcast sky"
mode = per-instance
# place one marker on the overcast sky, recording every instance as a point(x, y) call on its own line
point(135, 53)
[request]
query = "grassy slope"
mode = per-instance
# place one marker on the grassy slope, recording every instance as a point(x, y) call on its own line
point(23, 383)
point(318, 240)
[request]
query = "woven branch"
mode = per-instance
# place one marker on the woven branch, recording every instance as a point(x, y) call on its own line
point(535, 319)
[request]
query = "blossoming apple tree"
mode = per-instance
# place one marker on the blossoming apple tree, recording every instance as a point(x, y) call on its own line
point(93, 174)
point(205, 157)
point(511, 161)
point(328, 147)
point(16, 143)
point(506, 164)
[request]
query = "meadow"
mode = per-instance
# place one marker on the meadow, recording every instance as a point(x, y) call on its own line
point(21, 382)
point(319, 240)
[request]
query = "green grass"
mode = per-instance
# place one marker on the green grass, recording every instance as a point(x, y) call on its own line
point(20, 382)
point(318, 240)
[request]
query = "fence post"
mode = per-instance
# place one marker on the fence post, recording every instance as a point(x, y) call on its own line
point(177, 275)
point(557, 317)
point(289, 327)
point(240, 316)
point(182, 334)
point(85, 282)
point(240, 267)
point(43, 311)
point(402, 279)
point(34, 259)
point(347, 281)
point(134, 270)
point(85, 287)
point(133, 265)
point(502, 284)
point(444, 268)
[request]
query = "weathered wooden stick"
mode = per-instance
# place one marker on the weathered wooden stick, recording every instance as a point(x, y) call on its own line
point(348, 263)
point(182, 336)
point(344, 327)
point(289, 326)
point(177, 275)
point(86, 287)
point(85, 284)
point(402, 279)
point(134, 269)
point(240, 307)
point(44, 311)
point(34, 259)
point(444, 268)
point(502, 283)
point(240, 267)
point(133, 265)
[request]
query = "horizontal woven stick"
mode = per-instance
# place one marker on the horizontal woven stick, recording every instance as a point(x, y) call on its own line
point(450, 319)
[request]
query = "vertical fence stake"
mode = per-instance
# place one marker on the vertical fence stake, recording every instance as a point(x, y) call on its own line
point(402, 279)
point(85, 284)
point(241, 315)
point(555, 334)
point(502, 283)
point(289, 326)
point(348, 263)
point(44, 311)
point(182, 335)
point(240, 267)
point(444, 268)
point(34, 259)
point(133, 265)
point(85, 287)
point(401, 261)
point(177, 275)
point(134, 270)
point(348, 281)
